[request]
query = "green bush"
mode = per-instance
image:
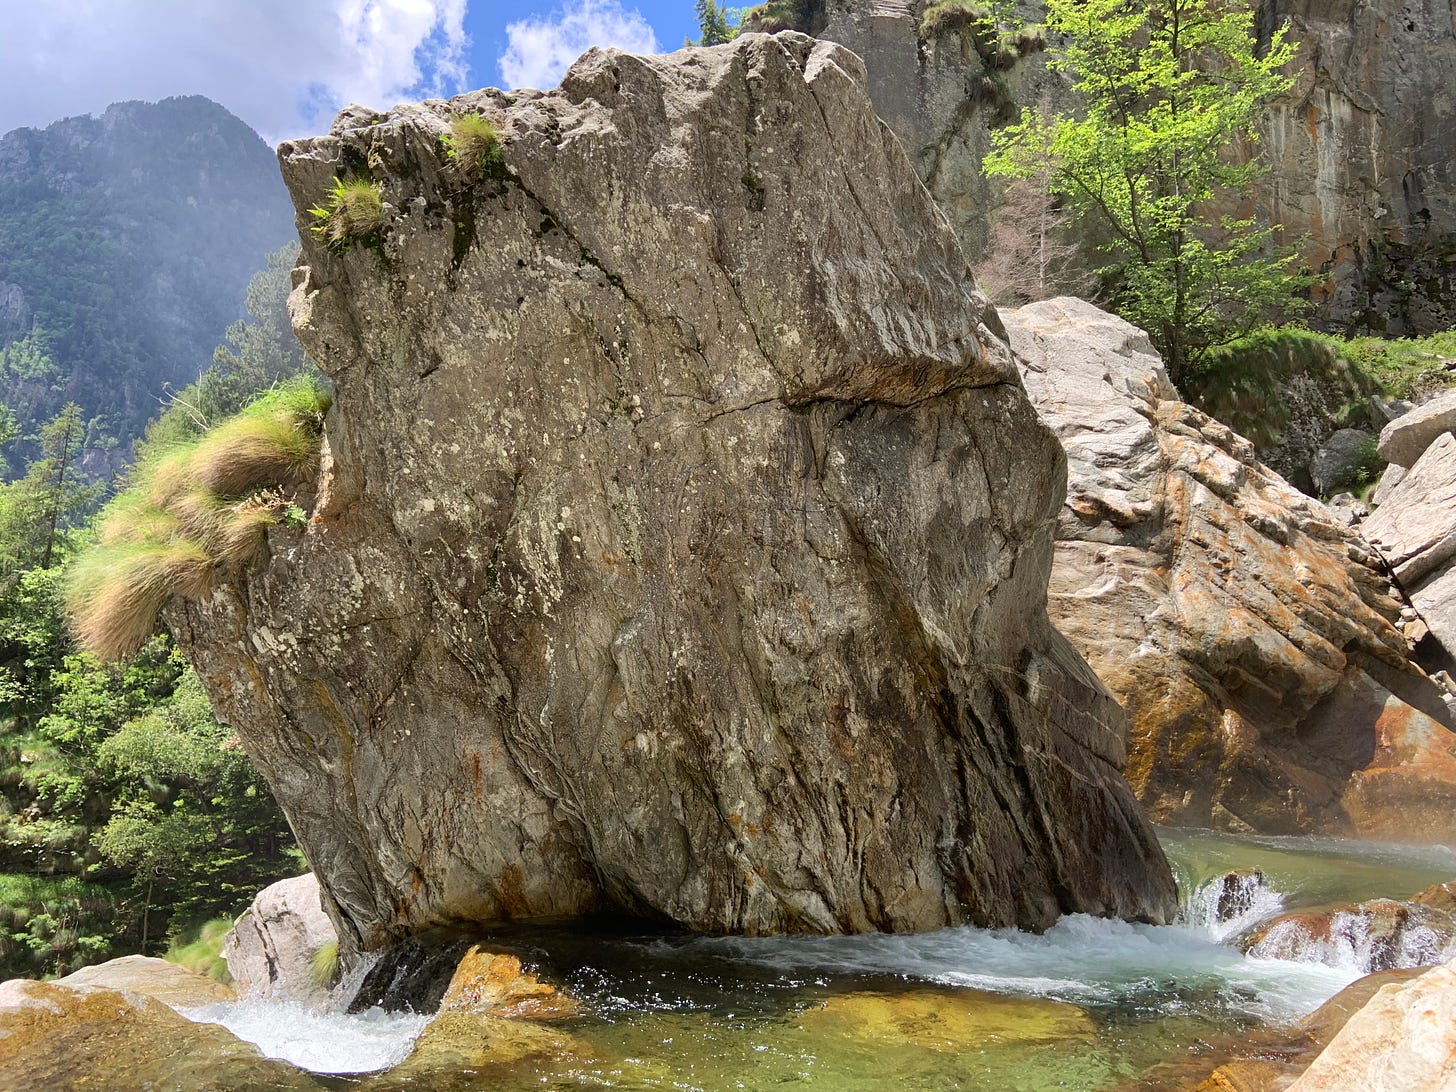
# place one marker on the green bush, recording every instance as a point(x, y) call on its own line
point(352, 213)
point(323, 971)
point(200, 950)
point(193, 515)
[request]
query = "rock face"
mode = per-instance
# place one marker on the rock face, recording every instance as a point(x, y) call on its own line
point(1403, 1040)
point(684, 538)
point(1250, 637)
point(271, 948)
point(1378, 935)
point(1360, 146)
point(1405, 439)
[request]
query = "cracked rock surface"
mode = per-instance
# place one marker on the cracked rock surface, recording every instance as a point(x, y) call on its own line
point(683, 538)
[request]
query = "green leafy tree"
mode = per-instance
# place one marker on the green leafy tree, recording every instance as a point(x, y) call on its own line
point(40, 513)
point(1169, 90)
point(713, 24)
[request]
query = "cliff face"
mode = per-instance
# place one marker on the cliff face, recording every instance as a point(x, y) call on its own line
point(1360, 146)
point(1362, 163)
point(684, 540)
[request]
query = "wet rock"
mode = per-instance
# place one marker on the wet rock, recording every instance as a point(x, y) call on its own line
point(1347, 458)
point(1378, 935)
point(1440, 895)
point(1402, 1040)
point(412, 976)
point(271, 948)
point(64, 1036)
point(1404, 440)
point(682, 540)
point(172, 985)
point(1251, 1075)
point(495, 985)
point(461, 1049)
point(947, 1020)
point(1251, 637)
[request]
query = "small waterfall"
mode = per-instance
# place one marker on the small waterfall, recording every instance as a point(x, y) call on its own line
point(1375, 936)
point(1228, 905)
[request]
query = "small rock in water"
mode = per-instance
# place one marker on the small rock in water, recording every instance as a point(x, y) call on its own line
point(495, 985)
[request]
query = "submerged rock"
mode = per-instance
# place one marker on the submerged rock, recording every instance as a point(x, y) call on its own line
point(271, 949)
point(65, 1036)
point(168, 983)
point(495, 985)
point(683, 538)
point(952, 1020)
point(1251, 637)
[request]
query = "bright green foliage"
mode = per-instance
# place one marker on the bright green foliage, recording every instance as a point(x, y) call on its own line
point(714, 24)
point(1168, 88)
point(200, 950)
point(352, 213)
point(192, 515)
point(474, 145)
point(807, 16)
point(323, 971)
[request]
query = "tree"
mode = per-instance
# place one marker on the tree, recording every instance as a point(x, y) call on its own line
point(713, 22)
point(1168, 89)
point(39, 513)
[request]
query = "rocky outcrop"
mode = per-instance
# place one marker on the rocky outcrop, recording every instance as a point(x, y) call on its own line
point(1251, 638)
point(271, 948)
point(1402, 1040)
point(1414, 528)
point(54, 1035)
point(683, 537)
point(1405, 439)
point(172, 985)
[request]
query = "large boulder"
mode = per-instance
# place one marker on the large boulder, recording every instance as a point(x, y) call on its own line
point(272, 947)
point(1405, 439)
point(55, 1035)
point(172, 985)
point(1415, 531)
point(683, 536)
point(1402, 1040)
point(1378, 935)
point(1251, 638)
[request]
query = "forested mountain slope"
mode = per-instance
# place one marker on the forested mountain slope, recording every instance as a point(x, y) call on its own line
point(126, 244)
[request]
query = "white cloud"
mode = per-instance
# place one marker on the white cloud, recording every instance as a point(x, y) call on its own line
point(283, 66)
point(539, 51)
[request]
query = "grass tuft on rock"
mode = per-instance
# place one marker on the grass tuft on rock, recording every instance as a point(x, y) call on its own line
point(201, 952)
point(323, 971)
point(193, 516)
point(352, 213)
point(474, 145)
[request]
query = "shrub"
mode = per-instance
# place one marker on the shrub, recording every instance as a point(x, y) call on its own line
point(353, 213)
point(193, 516)
point(474, 145)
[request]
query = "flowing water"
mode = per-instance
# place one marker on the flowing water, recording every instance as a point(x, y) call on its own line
point(1091, 1004)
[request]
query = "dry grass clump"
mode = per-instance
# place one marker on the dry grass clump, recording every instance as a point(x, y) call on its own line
point(352, 213)
point(192, 517)
point(474, 145)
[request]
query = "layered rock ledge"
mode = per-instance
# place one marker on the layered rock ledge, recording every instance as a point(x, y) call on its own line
point(683, 541)
point(1252, 637)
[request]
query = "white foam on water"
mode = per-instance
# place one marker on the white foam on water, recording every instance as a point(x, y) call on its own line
point(1229, 904)
point(321, 1042)
point(1082, 959)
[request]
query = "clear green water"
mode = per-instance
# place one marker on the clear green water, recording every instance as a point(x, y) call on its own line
point(1091, 1004)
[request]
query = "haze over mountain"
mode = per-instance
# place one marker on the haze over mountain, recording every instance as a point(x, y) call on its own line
point(126, 245)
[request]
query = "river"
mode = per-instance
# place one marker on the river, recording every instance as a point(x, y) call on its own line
point(1091, 1004)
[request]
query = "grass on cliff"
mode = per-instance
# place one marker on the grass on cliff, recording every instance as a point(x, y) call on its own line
point(352, 213)
point(194, 515)
point(323, 970)
point(474, 146)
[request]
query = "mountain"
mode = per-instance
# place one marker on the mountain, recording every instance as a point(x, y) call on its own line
point(126, 245)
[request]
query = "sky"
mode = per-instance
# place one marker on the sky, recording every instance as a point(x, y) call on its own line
point(287, 66)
